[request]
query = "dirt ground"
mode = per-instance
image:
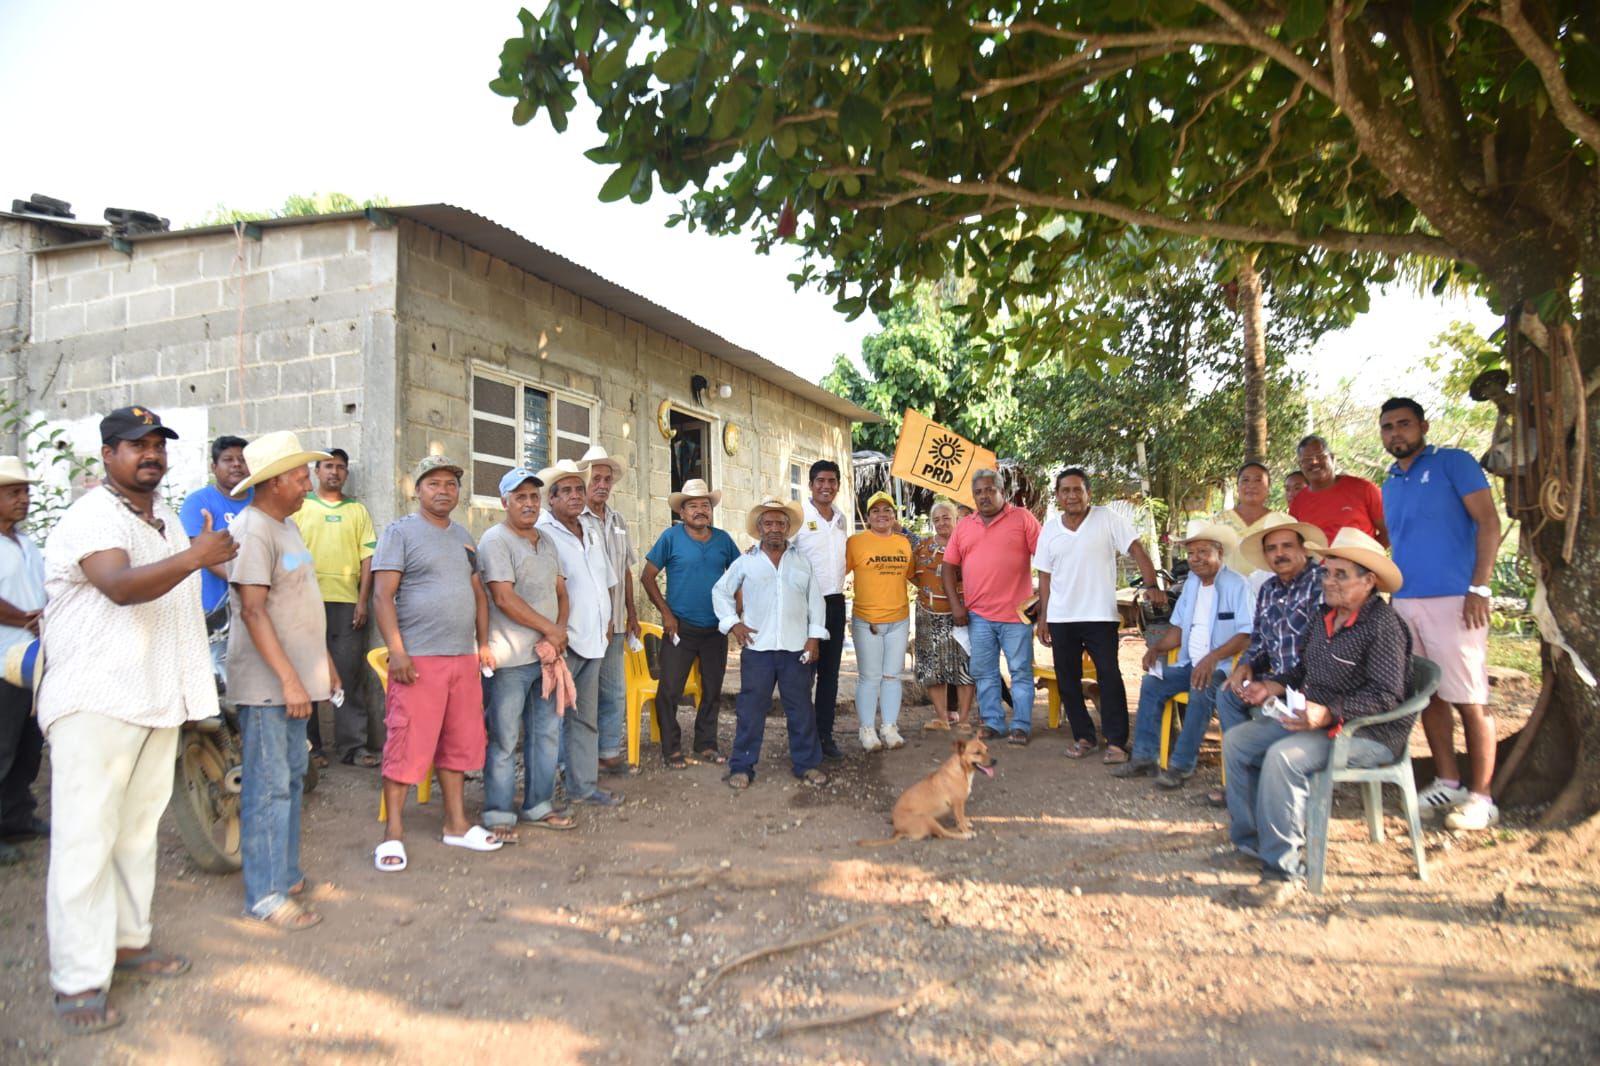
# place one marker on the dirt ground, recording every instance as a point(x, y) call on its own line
point(1083, 924)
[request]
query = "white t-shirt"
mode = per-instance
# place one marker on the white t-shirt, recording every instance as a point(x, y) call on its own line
point(1082, 565)
point(1198, 646)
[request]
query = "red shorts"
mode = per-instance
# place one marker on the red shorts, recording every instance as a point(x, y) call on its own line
point(436, 720)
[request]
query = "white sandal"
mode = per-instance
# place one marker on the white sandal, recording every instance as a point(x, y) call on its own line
point(390, 849)
point(476, 839)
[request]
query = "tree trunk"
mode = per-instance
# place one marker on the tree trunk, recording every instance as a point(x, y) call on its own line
point(1255, 358)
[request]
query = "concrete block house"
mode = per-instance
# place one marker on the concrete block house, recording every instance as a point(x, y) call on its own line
point(393, 333)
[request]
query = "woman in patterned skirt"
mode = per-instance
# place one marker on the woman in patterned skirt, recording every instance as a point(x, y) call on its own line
point(941, 662)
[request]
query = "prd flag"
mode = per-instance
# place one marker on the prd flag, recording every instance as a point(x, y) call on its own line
point(929, 455)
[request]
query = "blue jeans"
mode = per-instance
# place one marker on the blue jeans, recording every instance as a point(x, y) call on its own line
point(613, 697)
point(269, 805)
point(1269, 769)
point(518, 709)
point(1196, 720)
point(759, 671)
point(880, 657)
point(989, 640)
point(1154, 692)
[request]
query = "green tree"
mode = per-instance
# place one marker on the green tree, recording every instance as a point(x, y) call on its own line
point(895, 141)
point(296, 204)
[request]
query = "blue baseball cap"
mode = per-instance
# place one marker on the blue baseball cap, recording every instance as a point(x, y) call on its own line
point(515, 479)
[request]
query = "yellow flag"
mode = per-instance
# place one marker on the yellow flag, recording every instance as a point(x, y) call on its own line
point(929, 455)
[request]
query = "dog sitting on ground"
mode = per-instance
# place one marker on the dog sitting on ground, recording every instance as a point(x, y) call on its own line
point(918, 810)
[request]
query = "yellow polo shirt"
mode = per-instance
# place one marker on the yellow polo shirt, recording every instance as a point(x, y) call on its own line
point(339, 535)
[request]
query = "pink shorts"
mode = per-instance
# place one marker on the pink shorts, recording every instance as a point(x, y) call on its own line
point(436, 720)
point(1438, 633)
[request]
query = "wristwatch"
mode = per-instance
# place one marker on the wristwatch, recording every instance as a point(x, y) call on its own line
point(1480, 590)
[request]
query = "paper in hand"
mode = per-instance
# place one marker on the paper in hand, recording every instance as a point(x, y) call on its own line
point(963, 637)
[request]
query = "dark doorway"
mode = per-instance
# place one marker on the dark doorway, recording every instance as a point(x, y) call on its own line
point(691, 451)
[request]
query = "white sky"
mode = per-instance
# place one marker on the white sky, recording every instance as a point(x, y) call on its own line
point(177, 105)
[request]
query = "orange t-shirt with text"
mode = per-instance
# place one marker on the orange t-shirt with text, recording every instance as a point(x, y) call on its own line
point(882, 565)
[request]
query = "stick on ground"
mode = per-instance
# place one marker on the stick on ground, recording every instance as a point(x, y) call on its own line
point(779, 949)
point(851, 1017)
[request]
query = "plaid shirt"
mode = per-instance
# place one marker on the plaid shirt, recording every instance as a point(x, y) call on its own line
point(1284, 615)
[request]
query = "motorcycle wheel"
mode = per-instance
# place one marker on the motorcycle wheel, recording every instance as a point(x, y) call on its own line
point(206, 808)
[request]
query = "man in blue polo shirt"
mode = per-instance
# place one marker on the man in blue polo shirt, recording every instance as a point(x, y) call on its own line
point(1445, 532)
point(229, 468)
point(694, 555)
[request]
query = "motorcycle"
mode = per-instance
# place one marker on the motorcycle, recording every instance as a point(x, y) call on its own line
point(210, 769)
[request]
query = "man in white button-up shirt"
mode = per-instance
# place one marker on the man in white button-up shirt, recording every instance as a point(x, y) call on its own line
point(580, 543)
point(821, 537)
point(779, 632)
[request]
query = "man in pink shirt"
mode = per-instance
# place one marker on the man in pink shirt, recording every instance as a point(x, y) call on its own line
point(988, 576)
point(1331, 500)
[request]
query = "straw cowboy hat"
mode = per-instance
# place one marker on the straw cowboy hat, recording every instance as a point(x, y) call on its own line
point(693, 489)
point(561, 470)
point(772, 503)
point(596, 456)
point(1206, 529)
point(1273, 521)
point(273, 454)
point(12, 472)
point(1350, 543)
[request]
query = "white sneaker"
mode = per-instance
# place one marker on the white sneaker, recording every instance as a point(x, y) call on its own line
point(870, 741)
point(1476, 813)
point(891, 737)
point(1439, 796)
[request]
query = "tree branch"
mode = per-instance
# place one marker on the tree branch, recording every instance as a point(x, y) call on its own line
point(823, 29)
point(1271, 46)
point(1206, 102)
point(1274, 134)
point(1543, 56)
point(1330, 239)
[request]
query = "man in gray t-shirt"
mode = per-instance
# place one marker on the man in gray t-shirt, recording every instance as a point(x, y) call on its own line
point(278, 668)
point(434, 616)
point(528, 635)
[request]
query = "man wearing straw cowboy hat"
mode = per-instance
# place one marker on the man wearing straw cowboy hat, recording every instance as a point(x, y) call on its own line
point(21, 605)
point(1356, 662)
point(279, 668)
point(694, 555)
point(128, 664)
point(1210, 625)
point(433, 613)
point(603, 471)
point(589, 576)
point(780, 631)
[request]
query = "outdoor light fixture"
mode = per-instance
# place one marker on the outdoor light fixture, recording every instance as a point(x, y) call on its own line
point(724, 390)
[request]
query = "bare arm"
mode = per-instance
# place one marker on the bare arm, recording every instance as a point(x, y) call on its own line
point(1041, 628)
point(649, 577)
point(385, 584)
point(363, 594)
point(1480, 505)
point(633, 612)
point(951, 576)
point(113, 573)
point(253, 612)
point(514, 607)
point(11, 616)
point(1165, 643)
point(1147, 572)
point(480, 622)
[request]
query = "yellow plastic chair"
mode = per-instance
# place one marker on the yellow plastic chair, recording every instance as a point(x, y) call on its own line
point(1045, 677)
point(1172, 718)
point(378, 659)
point(642, 686)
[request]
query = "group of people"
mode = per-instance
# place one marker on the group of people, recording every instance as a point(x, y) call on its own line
point(514, 643)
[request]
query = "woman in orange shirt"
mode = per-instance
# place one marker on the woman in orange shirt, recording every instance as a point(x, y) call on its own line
point(880, 558)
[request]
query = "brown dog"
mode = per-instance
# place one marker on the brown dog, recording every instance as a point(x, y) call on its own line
point(945, 791)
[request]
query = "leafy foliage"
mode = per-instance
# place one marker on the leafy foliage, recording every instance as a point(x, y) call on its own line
point(50, 453)
point(295, 205)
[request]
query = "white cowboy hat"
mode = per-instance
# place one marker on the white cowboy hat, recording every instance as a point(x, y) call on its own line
point(272, 454)
point(1271, 522)
point(772, 503)
point(12, 472)
point(693, 489)
point(1350, 543)
point(596, 455)
point(1206, 529)
point(562, 469)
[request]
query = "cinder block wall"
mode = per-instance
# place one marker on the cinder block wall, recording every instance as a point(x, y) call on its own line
point(162, 327)
point(458, 306)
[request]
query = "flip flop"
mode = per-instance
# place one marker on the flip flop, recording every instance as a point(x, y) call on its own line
point(676, 761)
point(290, 917)
point(152, 963)
point(558, 822)
point(475, 839)
point(90, 1007)
point(738, 782)
point(1079, 749)
point(390, 849)
point(711, 756)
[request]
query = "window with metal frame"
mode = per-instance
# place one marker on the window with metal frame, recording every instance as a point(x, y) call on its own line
point(523, 423)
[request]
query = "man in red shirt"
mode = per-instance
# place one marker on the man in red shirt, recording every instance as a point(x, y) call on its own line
point(1333, 501)
point(988, 576)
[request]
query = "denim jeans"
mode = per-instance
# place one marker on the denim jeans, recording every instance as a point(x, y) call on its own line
point(759, 671)
point(1196, 720)
point(269, 805)
point(880, 657)
point(519, 711)
point(1154, 692)
point(1269, 769)
point(613, 697)
point(989, 640)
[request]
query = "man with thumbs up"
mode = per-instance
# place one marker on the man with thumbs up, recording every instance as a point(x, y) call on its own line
point(124, 643)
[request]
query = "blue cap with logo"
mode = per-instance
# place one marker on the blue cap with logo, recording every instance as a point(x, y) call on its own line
point(514, 480)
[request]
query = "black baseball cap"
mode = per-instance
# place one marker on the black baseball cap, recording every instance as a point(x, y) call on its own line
point(131, 423)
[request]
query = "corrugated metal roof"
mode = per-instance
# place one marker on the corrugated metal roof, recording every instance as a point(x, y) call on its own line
point(489, 236)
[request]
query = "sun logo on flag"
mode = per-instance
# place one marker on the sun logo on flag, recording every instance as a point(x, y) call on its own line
point(947, 451)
